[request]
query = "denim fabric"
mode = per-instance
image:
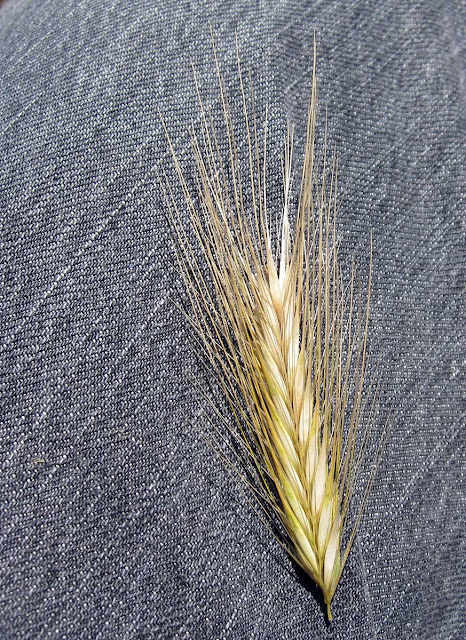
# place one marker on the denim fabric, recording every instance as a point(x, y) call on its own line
point(117, 520)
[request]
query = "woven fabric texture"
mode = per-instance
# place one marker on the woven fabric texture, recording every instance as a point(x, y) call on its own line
point(116, 519)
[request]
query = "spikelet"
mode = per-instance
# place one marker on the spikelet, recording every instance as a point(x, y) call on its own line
point(282, 332)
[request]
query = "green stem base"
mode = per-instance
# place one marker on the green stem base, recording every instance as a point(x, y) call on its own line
point(329, 612)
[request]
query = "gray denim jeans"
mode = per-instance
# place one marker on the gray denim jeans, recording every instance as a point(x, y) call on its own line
point(117, 519)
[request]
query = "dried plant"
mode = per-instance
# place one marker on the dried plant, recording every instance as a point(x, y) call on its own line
point(283, 333)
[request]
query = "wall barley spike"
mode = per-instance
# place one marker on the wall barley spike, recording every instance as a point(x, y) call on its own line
point(283, 331)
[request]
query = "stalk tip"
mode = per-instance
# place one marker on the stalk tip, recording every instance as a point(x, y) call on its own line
point(329, 612)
